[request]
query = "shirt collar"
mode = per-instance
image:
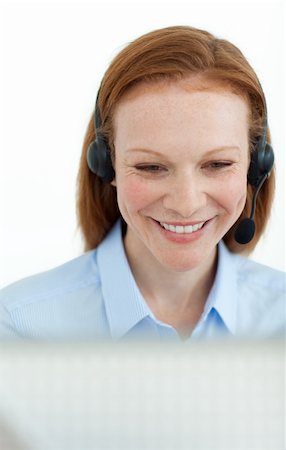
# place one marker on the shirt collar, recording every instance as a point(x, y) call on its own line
point(223, 294)
point(123, 311)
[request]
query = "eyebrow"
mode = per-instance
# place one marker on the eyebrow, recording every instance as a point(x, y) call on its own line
point(208, 153)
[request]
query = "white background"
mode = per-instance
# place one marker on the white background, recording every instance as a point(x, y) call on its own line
point(53, 56)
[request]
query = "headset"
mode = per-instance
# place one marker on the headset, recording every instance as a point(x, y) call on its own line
point(261, 164)
point(98, 153)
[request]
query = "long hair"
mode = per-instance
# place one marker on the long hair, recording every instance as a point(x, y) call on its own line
point(171, 53)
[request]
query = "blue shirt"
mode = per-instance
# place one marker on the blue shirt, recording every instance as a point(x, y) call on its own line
point(96, 296)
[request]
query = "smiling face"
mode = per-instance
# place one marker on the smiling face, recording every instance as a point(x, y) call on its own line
point(181, 161)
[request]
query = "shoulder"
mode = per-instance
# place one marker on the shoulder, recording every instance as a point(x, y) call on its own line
point(261, 297)
point(70, 276)
point(44, 299)
point(260, 276)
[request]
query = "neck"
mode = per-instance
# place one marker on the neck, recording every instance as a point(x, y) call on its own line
point(176, 298)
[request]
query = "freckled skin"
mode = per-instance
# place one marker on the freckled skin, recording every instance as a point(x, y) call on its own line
point(183, 124)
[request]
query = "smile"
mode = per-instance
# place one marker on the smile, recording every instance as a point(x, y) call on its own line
point(180, 229)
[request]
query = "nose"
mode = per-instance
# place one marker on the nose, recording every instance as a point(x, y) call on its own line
point(185, 194)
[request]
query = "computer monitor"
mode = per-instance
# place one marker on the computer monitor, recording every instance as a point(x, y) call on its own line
point(223, 395)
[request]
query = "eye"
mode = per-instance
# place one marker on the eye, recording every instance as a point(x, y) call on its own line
point(151, 168)
point(216, 165)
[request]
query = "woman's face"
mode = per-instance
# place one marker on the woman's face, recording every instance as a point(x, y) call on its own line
point(181, 161)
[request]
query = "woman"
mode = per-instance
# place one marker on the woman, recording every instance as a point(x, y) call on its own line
point(174, 158)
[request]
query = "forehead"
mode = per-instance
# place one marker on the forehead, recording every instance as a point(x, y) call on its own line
point(194, 83)
point(189, 108)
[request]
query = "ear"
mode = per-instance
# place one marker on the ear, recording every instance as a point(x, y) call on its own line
point(113, 182)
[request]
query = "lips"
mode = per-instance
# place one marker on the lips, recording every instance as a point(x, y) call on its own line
point(182, 229)
point(181, 236)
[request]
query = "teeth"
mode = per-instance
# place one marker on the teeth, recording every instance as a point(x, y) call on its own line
point(181, 229)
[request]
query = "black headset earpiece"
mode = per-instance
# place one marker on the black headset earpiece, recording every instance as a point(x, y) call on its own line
point(98, 153)
point(261, 164)
point(262, 160)
point(99, 160)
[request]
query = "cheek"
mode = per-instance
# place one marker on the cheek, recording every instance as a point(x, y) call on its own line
point(232, 194)
point(134, 194)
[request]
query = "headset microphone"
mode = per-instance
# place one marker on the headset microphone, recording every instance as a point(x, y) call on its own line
point(246, 228)
point(262, 161)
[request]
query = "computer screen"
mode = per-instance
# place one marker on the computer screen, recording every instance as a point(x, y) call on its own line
point(223, 395)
